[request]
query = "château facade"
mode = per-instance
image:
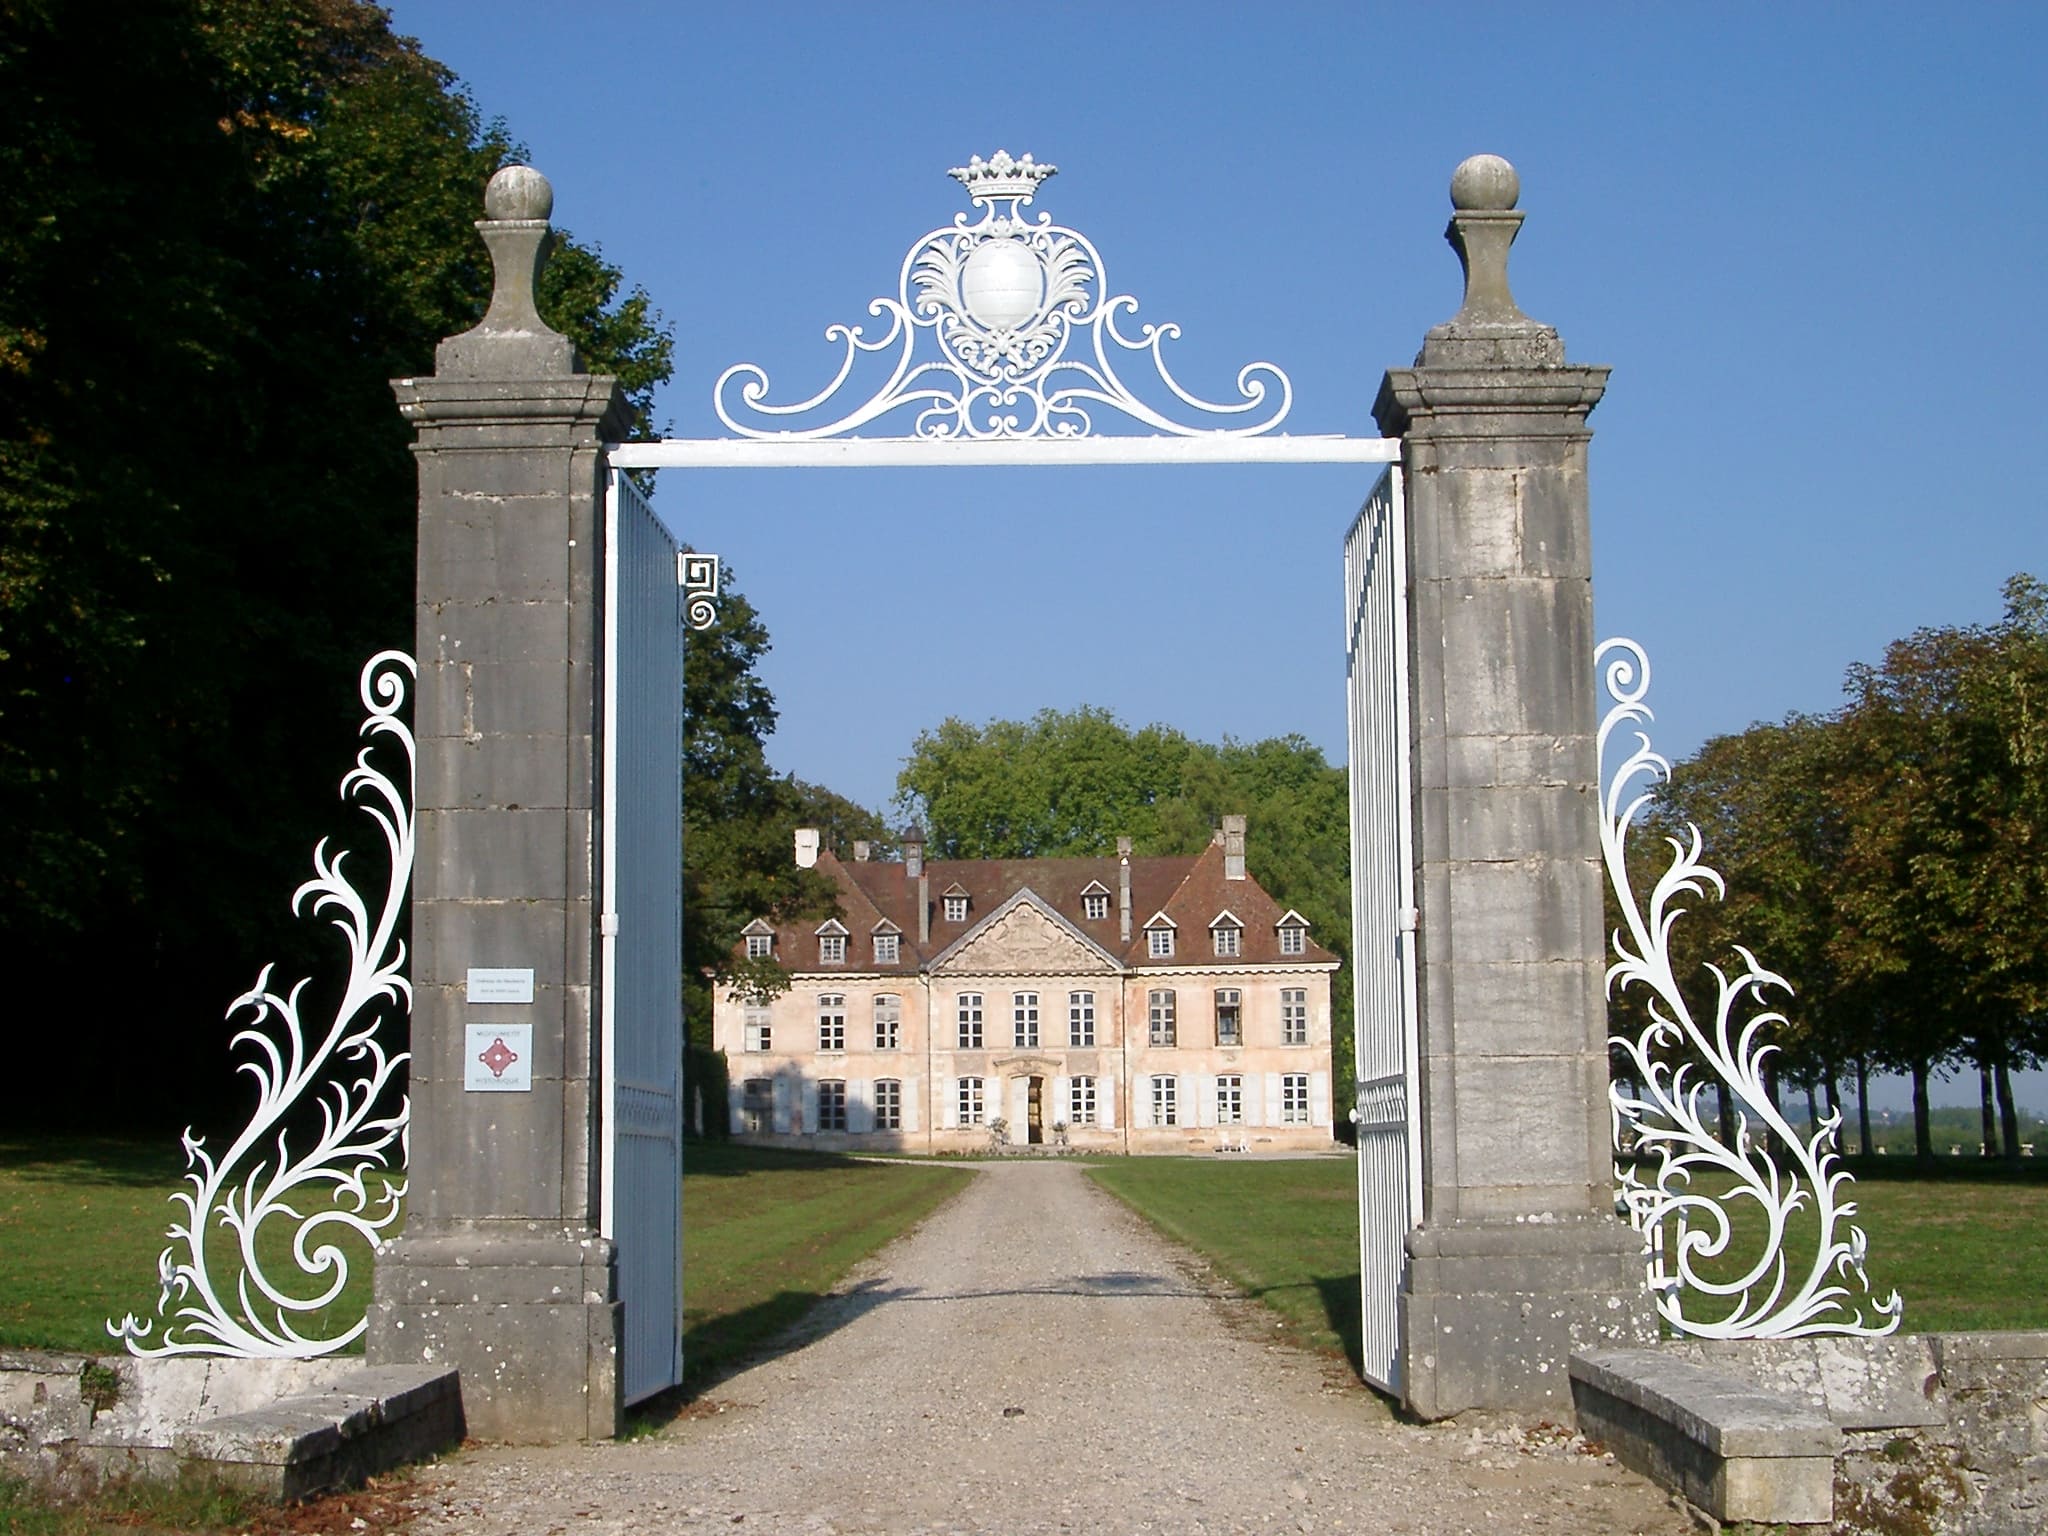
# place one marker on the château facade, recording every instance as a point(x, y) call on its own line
point(1114, 1003)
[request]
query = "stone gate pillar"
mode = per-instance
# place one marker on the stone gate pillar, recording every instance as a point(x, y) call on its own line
point(1519, 1258)
point(501, 1270)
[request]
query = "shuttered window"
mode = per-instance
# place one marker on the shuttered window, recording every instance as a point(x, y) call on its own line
point(1161, 1029)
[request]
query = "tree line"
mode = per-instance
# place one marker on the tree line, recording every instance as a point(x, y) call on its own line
point(1069, 783)
point(1890, 859)
point(231, 222)
point(228, 224)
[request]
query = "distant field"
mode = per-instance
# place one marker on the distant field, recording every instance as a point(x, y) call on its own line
point(767, 1232)
point(1966, 1245)
point(1964, 1242)
point(82, 1220)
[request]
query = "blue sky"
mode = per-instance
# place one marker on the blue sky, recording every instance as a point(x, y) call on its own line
point(1809, 240)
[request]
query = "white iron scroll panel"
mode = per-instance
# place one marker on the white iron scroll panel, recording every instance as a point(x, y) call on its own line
point(643, 926)
point(1382, 917)
point(1725, 1222)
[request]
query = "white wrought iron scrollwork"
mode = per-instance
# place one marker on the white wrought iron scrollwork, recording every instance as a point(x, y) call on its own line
point(1687, 1210)
point(697, 575)
point(1027, 333)
point(342, 1076)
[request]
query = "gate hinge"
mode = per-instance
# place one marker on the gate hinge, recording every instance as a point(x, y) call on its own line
point(1410, 919)
point(608, 925)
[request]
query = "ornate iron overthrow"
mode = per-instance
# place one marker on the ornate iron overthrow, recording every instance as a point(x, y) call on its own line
point(1671, 1118)
point(340, 1074)
point(1027, 337)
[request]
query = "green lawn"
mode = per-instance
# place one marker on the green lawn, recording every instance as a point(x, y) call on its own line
point(766, 1233)
point(1965, 1243)
point(82, 1220)
point(1283, 1232)
point(1967, 1247)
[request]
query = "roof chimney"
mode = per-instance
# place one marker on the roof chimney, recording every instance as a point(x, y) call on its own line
point(1233, 847)
point(860, 850)
point(924, 911)
point(913, 852)
point(806, 847)
point(1123, 887)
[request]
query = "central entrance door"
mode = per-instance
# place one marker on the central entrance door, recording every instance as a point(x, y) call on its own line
point(1034, 1118)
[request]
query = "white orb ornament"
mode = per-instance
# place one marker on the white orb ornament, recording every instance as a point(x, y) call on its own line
point(1002, 284)
point(518, 192)
point(1485, 184)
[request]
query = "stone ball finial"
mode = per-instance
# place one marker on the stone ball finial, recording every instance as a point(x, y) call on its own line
point(1482, 184)
point(521, 192)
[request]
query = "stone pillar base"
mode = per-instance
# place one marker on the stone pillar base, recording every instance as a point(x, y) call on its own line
point(530, 1317)
point(1493, 1310)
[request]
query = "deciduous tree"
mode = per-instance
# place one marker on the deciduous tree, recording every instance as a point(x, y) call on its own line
point(228, 224)
point(1069, 783)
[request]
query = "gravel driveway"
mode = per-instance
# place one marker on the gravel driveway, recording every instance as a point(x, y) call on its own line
point(1034, 1359)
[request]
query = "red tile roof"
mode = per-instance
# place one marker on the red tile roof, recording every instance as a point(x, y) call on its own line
point(1190, 891)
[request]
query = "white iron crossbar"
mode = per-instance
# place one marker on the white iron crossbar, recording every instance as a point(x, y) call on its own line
point(921, 452)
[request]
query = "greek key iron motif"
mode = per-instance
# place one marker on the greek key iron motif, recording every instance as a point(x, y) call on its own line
point(1027, 336)
point(1687, 1210)
point(698, 576)
point(333, 1085)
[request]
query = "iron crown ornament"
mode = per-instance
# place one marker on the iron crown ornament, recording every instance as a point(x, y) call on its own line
point(1027, 335)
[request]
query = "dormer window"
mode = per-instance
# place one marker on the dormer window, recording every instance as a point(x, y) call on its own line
point(1226, 935)
point(1293, 934)
point(832, 943)
point(1095, 901)
point(1159, 938)
point(760, 939)
point(956, 904)
point(888, 944)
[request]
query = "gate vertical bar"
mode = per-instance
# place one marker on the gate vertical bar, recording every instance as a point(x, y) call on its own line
point(1382, 917)
point(641, 928)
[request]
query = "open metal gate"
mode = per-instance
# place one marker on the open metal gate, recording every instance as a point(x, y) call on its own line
point(641, 922)
point(1383, 916)
point(1002, 347)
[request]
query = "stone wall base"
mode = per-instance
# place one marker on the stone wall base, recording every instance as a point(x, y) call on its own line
point(1493, 1311)
point(286, 1429)
point(1735, 1450)
point(1943, 1434)
point(530, 1317)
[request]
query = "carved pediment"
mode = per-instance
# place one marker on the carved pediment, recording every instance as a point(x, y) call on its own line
point(1024, 937)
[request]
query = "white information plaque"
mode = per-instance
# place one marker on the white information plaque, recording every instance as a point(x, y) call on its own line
point(497, 1058)
point(488, 984)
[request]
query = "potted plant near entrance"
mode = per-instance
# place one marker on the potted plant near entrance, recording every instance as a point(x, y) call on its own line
point(998, 1134)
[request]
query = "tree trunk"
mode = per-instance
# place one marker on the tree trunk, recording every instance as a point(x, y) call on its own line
point(1923, 1138)
point(1988, 1111)
point(1863, 1104)
point(2008, 1113)
point(1812, 1110)
point(1724, 1104)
